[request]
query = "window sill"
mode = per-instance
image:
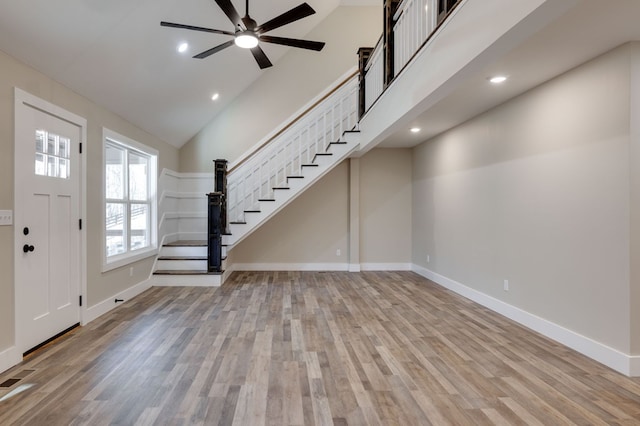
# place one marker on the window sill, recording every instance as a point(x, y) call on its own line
point(124, 260)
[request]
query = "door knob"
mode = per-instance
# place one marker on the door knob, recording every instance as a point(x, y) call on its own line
point(27, 248)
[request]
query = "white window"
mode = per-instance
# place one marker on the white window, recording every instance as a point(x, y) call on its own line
point(130, 175)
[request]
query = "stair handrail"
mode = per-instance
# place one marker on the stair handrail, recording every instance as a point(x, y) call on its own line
point(295, 117)
point(283, 155)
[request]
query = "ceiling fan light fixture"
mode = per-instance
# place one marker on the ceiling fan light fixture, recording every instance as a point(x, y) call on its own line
point(246, 40)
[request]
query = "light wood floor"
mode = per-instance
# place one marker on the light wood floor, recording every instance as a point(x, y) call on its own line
point(294, 348)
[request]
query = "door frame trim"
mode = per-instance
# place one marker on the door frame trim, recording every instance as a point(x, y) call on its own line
point(22, 99)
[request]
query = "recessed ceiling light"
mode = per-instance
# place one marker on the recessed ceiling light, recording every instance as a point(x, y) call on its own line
point(182, 47)
point(215, 96)
point(498, 79)
point(415, 129)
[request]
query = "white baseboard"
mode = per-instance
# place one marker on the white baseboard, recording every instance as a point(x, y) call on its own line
point(9, 358)
point(290, 266)
point(354, 267)
point(612, 358)
point(386, 266)
point(99, 309)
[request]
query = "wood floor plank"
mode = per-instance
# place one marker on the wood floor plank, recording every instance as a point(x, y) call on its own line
point(310, 348)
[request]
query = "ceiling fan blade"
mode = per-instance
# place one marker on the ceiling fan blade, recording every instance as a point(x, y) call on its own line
point(298, 12)
point(191, 27)
point(294, 42)
point(261, 58)
point(213, 50)
point(229, 10)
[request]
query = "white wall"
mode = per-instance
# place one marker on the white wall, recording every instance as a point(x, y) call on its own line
point(537, 192)
point(282, 90)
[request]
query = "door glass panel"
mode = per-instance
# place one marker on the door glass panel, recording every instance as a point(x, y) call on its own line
point(139, 226)
point(138, 179)
point(115, 229)
point(63, 168)
point(52, 155)
point(114, 176)
point(52, 166)
point(41, 164)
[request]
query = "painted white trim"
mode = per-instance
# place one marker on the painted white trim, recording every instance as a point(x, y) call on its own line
point(101, 308)
point(22, 97)
point(354, 267)
point(386, 266)
point(9, 358)
point(612, 358)
point(111, 137)
point(290, 266)
point(172, 173)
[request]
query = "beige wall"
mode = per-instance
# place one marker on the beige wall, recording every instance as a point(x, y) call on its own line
point(285, 88)
point(385, 206)
point(307, 231)
point(315, 225)
point(100, 286)
point(536, 192)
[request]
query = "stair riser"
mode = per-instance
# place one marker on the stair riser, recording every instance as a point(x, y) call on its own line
point(187, 265)
point(188, 280)
point(183, 251)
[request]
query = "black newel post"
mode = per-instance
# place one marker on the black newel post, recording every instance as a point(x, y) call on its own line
point(220, 173)
point(364, 53)
point(214, 232)
point(390, 7)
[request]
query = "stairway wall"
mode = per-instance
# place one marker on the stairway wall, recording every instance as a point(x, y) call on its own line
point(285, 88)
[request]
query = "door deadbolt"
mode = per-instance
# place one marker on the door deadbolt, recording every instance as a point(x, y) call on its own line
point(27, 248)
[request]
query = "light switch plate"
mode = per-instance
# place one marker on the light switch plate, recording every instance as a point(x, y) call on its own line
point(6, 217)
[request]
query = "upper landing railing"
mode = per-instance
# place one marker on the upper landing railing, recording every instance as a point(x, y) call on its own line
point(408, 26)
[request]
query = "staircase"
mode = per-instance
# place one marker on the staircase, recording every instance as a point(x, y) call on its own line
point(259, 184)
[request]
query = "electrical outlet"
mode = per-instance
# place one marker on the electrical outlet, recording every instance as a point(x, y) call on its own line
point(131, 271)
point(6, 217)
point(506, 285)
point(428, 258)
point(338, 252)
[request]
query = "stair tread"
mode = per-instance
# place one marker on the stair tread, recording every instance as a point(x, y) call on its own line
point(282, 187)
point(182, 258)
point(266, 199)
point(184, 272)
point(187, 243)
point(238, 223)
point(310, 165)
point(252, 211)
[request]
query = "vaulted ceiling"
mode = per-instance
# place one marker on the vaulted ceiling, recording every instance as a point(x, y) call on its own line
point(115, 53)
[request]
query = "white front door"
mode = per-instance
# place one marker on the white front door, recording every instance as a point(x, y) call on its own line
point(47, 233)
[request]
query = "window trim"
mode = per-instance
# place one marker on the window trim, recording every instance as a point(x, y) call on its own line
point(120, 260)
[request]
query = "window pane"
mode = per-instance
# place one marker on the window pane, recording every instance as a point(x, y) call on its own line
point(114, 176)
point(41, 165)
point(40, 137)
point(138, 177)
point(115, 229)
point(139, 226)
point(52, 166)
point(52, 144)
point(63, 148)
point(63, 168)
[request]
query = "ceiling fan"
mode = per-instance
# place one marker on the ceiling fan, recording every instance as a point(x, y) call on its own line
point(248, 34)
